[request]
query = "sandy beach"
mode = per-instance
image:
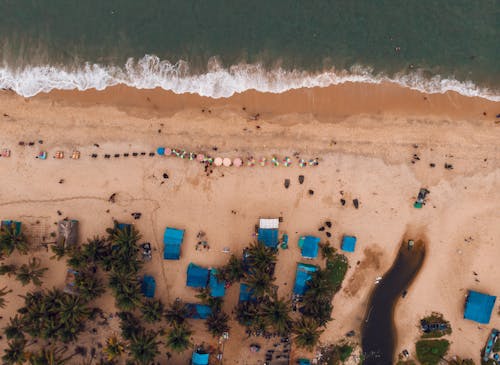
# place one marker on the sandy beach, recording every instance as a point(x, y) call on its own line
point(376, 143)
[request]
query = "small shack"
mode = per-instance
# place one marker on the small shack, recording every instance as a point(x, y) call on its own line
point(172, 240)
point(246, 293)
point(9, 224)
point(348, 243)
point(148, 286)
point(198, 311)
point(197, 276)
point(303, 275)
point(478, 307)
point(67, 233)
point(309, 246)
point(217, 287)
point(268, 232)
point(200, 357)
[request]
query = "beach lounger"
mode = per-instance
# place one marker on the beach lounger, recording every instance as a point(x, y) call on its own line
point(5, 152)
point(59, 155)
point(75, 155)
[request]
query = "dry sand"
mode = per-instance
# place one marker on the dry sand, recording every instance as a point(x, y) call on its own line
point(365, 136)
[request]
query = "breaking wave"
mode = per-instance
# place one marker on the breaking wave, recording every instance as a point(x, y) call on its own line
point(217, 82)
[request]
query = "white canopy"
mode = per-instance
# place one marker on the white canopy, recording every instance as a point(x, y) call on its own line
point(269, 223)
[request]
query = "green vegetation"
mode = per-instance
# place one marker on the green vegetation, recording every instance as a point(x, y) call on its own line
point(430, 352)
point(233, 271)
point(152, 310)
point(144, 347)
point(436, 318)
point(217, 323)
point(306, 333)
point(336, 353)
point(458, 361)
point(114, 349)
point(3, 292)
point(177, 313)
point(15, 353)
point(31, 272)
point(178, 338)
point(496, 346)
point(336, 269)
point(406, 362)
point(12, 239)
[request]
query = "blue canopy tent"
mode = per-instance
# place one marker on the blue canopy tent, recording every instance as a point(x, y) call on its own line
point(246, 293)
point(148, 286)
point(268, 237)
point(304, 272)
point(199, 358)
point(197, 276)
point(172, 240)
point(309, 246)
point(217, 288)
point(124, 227)
point(348, 243)
point(478, 307)
point(160, 151)
point(8, 223)
point(198, 311)
point(304, 362)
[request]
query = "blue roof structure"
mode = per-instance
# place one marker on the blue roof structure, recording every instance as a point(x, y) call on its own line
point(348, 243)
point(197, 276)
point(304, 362)
point(199, 359)
point(148, 286)
point(198, 311)
point(172, 241)
point(304, 273)
point(246, 294)
point(268, 236)
point(309, 246)
point(478, 307)
point(8, 223)
point(217, 288)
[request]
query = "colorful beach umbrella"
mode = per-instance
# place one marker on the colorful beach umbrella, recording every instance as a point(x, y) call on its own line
point(183, 154)
point(302, 162)
point(287, 161)
point(237, 162)
point(175, 152)
point(263, 161)
point(160, 151)
point(192, 156)
point(275, 161)
point(218, 161)
point(168, 151)
point(226, 162)
point(200, 157)
point(251, 162)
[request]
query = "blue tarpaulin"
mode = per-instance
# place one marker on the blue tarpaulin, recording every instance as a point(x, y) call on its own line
point(197, 276)
point(160, 151)
point(304, 272)
point(268, 236)
point(304, 362)
point(172, 241)
point(309, 246)
point(199, 359)
point(348, 243)
point(246, 293)
point(217, 288)
point(478, 307)
point(198, 311)
point(148, 286)
point(9, 223)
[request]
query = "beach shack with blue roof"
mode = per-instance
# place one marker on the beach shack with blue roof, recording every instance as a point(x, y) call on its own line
point(246, 293)
point(198, 311)
point(9, 223)
point(268, 232)
point(172, 241)
point(303, 275)
point(148, 286)
point(197, 276)
point(309, 246)
point(217, 287)
point(200, 358)
point(303, 362)
point(478, 307)
point(348, 243)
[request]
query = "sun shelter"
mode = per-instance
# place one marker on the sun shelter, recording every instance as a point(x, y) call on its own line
point(8, 223)
point(67, 230)
point(348, 243)
point(197, 276)
point(303, 275)
point(246, 293)
point(148, 286)
point(304, 362)
point(478, 307)
point(198, 311)
point(200, 358)
point(268, 232)
point(309, 246)
point(217, 287)
point(172, 240)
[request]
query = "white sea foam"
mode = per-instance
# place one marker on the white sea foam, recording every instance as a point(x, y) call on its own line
point(218, 82)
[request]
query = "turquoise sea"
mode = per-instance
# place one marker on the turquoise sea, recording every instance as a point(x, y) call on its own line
point(219, 47)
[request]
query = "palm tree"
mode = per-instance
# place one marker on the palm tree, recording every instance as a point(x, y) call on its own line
point(89, 285)
point(14, 353)
point(8, 270)
point(327, 251)
point(3, 292)
point(129, 325)
point(320, 310)
point(49, 356)
point(144, 348)
point(59, 251)
point(14, 330)
point(259, 282)
point(96, 250)
point(152, 310)
point(177, 313)
point(261, 257)
point(126, 289)
point(232, 271)
point(217, 323)
point(213, 302)
point(178, 338)
point(12, 239)
point(307, 333)
point(114, 348)
point(31, 272)
point(319, 286)
point(276, 314)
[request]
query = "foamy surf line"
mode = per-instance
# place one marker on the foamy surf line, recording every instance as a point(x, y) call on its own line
point(218, 82)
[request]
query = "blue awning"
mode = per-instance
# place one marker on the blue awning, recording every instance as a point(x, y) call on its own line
point(172, 240)
point(478, 307)
point(9, 223)
point(217, 288)
point(303, 275)
point(198, 311)
point(309, 246)
point(348, 243)
point(268, 237)
point(246, 294)
point(197, 276)
point(199, 359)
point(148, 286)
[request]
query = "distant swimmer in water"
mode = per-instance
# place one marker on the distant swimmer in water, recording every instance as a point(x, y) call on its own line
point(397, 49)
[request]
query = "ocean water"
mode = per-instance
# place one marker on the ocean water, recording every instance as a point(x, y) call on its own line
point(220, 47)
